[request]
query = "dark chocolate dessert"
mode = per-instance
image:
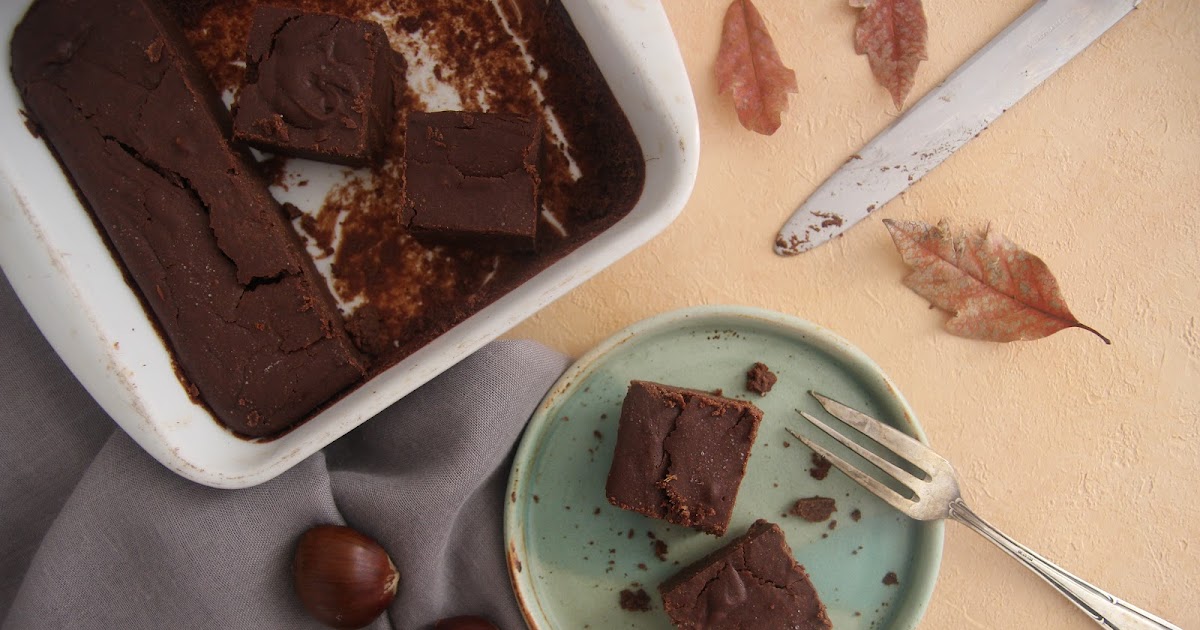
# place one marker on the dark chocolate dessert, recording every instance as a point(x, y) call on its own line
point(681, 455)
point(400, 293)
point(318, 86)
point(472, 179)
point(114, 89)
point(752, 582)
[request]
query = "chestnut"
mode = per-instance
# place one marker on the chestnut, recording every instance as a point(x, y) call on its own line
point(343, 578)
point(465, 622)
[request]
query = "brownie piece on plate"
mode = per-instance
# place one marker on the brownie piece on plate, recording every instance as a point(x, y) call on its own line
point(473, 179)
point(681, 455)
point(318, 86)
point(752, 582)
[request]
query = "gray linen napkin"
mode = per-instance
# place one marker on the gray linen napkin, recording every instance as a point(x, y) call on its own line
point(96, 534)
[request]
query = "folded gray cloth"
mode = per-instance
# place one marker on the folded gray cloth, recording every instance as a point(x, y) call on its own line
point(96, 534)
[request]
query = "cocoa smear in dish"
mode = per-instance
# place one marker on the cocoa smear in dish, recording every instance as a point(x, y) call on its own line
point(407, 293)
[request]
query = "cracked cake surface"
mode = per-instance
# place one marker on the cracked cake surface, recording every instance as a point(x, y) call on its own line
point(681, 455)
point(753, 582)
point(140, 130)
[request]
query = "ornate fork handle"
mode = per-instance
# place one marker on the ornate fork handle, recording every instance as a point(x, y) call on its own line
point(1103, 608)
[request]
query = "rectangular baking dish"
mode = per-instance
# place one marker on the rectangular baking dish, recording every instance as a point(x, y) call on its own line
point(62, 270)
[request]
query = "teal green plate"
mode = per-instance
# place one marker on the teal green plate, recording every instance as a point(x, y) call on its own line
point(570, 553)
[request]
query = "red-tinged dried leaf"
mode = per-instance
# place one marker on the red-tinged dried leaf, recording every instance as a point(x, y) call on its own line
point(892, 34)
point(995, 290)
point(749, 68)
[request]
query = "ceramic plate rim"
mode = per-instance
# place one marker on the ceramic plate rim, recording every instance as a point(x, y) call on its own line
point(933, 536)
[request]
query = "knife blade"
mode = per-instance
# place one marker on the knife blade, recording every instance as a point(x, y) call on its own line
point(1017, 60)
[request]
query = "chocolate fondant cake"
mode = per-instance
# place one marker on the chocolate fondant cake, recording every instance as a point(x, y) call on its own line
point(681, 455)
point(123, 92)
point(318, 86)
point(140, 130)
point(752, 582)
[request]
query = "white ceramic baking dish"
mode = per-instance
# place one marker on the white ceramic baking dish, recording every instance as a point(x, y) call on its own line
point(63, 272)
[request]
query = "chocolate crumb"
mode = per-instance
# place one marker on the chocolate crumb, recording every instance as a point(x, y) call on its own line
point(536, 499)
point(820, 467)
point(598, 435)
point(660, 550)
point(833, 524)
point(814, 509)
point(856, 515)
point(596, 512)
point(631, 534)
point(890, 579)
point(642, 566)
point(718, 392)
point(635, 601)
point(787, 444)
point(760, 379)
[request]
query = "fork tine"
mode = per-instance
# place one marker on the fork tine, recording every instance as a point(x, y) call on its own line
point(910, 449)
point(899, 474)
point(870, 483)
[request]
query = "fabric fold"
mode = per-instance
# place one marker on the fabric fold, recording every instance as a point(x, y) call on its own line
point(99, 535)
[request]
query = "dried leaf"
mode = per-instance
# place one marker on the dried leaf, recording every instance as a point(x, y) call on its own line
point(892, 34)
point(749, 68)
point(995, 290)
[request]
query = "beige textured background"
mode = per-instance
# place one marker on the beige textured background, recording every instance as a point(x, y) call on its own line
point(1088, 453)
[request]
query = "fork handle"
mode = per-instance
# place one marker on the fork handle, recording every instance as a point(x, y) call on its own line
point(1103, 608)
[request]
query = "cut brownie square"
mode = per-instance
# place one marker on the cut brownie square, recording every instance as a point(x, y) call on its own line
point(752, 582)
point(681, 455)
point(318, 86)
point(472, 179)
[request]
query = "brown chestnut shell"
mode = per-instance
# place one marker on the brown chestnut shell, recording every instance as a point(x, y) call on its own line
point(344, 579)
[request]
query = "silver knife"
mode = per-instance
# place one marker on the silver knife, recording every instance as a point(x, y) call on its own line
point(1031, 49)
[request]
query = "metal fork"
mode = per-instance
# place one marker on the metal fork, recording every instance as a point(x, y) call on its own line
point(938, 497)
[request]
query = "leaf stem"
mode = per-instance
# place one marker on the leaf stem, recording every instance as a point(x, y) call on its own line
point(1094, 332)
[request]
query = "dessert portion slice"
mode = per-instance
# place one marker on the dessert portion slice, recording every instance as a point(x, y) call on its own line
point(318, 86)
point(681, 455)
point(113, 88)
point(473, 179)
point(752, 582)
